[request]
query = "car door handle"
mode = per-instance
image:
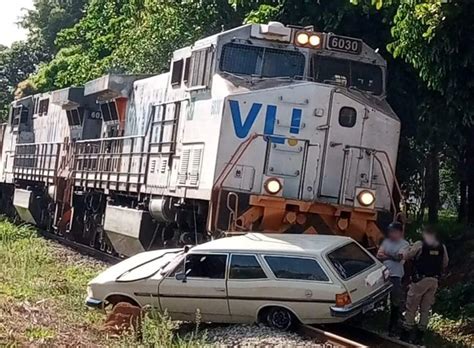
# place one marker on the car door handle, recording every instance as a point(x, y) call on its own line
point(219, 289)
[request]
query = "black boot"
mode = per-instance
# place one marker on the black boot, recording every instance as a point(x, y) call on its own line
point(407, 335)
point(419, 337)
point(393, 325)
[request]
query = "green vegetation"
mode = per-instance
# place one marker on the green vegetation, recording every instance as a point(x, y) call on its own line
point(42, 291)
point(424, 41)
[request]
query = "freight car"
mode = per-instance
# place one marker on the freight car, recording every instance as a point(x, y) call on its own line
point(264, 127)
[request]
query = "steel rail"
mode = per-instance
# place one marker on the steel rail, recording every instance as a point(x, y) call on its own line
point(349, 336)
point(328, 339)
point(81, 248)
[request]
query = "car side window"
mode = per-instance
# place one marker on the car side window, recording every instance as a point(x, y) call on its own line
point(296, 268)
point(245, 267)
point(205, 266)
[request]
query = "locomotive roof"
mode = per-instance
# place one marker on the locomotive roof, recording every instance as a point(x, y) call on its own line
point(244, 32)
point(281, 243)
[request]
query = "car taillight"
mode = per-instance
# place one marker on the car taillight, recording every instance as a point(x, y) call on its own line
point(343, 299)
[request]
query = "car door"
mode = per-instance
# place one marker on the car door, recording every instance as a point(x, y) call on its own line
point(247, 287)
point(197, 285)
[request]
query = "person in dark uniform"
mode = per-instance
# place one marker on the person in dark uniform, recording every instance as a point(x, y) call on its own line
point(430, 259)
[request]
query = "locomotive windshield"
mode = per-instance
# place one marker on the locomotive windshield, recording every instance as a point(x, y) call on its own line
point(363, 76)
point(261, 61)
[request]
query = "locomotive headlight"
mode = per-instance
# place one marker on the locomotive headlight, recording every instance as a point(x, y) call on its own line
point(314, 40)
point(366, 198)
point(273, 186)
point(302, 38)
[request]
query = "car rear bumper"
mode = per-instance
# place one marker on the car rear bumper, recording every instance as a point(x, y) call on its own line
point(359, 307)
point(94, 303)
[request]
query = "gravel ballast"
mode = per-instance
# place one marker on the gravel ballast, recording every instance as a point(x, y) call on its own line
point(255, 335)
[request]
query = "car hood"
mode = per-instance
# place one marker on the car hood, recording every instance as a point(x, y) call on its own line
point(140, 266)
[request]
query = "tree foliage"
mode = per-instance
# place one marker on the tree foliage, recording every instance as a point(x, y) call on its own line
point(16, 65)
point(132, 36)
point(435, 37)
point(48, 17)
point(22, 59)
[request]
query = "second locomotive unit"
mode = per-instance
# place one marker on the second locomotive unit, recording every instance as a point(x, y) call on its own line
point(264, 127)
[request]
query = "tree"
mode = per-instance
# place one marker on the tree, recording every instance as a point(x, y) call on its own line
point(16, 65)
point(47, 18)
point(131, 36)
point(435, 37)
point(22, 59)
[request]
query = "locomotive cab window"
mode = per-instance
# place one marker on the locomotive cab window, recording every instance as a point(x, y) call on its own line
point(43, 107)
point(177, 73)
point(19, 115)
point(75, 116)
point(363, 76)
point(261, 61)
point(347, 117)
point(187, 68)
point(109, 111)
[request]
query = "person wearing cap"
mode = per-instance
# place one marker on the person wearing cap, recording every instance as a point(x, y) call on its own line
point(430, 259)
point(391, 254)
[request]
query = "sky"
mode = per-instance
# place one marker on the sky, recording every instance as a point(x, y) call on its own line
point(10, 12)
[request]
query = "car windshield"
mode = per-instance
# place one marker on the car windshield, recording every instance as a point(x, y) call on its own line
point(253, 60)
point(350, 260)
point(363, 76)
point(151, 267)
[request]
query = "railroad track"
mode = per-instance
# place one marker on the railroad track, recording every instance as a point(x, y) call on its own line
point(81, 248)
point(348, 336)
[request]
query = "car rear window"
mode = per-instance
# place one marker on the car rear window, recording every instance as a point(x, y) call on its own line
point(350, 260)
point(296, 268)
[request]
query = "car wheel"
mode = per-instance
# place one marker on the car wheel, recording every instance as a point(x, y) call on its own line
point(280, 318)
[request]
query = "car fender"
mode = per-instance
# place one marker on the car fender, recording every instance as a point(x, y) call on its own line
point(130, 296)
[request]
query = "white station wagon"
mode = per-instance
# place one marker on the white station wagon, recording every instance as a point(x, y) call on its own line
point(280, 279)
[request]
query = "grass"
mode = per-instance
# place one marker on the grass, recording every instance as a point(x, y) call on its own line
point(42, 291)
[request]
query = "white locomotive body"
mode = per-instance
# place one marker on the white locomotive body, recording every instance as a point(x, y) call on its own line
point(263, 127)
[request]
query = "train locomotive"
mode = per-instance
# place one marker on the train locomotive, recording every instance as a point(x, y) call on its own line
point(264, 127)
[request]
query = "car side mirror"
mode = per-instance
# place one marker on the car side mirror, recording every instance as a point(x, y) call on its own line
point(181, 277)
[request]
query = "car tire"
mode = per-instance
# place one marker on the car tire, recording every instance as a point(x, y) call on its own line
point(280, 318)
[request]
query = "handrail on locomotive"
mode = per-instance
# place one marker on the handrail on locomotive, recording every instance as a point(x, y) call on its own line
point(233, 225)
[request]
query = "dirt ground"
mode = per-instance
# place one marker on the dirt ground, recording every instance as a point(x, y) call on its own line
point(42, 291)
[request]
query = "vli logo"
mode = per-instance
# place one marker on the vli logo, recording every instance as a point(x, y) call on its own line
point(242, 127)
